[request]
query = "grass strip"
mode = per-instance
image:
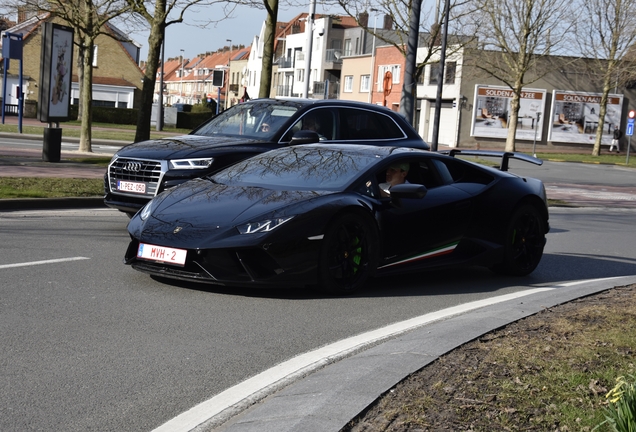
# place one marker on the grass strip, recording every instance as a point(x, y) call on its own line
point(38, 187)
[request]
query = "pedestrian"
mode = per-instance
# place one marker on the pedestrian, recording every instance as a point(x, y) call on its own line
point(616, 140)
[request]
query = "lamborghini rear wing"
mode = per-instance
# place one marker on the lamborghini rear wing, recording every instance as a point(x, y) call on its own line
point(505, 156)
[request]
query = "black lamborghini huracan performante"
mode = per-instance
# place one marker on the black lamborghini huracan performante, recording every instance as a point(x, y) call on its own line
point(323, 214)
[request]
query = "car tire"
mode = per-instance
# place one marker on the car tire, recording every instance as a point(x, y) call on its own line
point(349, 253)
point(524, 242)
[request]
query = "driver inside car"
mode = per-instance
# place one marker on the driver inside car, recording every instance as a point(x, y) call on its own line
point(395, 174)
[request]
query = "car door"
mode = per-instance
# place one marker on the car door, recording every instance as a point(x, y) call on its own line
point(416, 231)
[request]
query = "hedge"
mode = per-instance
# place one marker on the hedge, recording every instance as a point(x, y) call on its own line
point(190, 120)
point(109, 115)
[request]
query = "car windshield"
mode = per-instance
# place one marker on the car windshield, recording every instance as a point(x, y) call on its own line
point(299, 168)
point(260, 120)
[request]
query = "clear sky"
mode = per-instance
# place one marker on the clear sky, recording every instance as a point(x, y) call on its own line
point(241, 29)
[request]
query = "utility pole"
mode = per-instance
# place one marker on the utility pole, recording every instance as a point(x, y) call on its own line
point(309, 31)
point(407, 105)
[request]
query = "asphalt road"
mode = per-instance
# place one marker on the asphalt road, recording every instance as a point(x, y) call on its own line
point(90, 344)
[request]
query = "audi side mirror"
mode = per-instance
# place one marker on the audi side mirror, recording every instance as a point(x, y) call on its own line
point(305, 137)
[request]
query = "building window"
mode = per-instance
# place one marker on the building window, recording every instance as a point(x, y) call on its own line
point(348, 83)
point(395, 70)
point(364, 84)
point(434, 72)
point(449, 75)
point(347, 47)
point(300, 75)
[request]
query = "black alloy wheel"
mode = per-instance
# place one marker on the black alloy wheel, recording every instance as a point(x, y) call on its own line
point(525, 240)
point(349, 253)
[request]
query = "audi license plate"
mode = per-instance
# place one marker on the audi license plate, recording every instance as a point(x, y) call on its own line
point(162, 254)
point(134, 187)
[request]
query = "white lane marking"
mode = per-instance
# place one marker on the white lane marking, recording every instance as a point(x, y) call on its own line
point(32, 263)
point(249, 390)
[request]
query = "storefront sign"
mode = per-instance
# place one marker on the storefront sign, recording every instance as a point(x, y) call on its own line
point(491, 112)
point(575, 117)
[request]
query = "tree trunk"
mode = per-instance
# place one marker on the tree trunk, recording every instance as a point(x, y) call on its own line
point(155, 39)
point(80, 80)
point(596, 151)
point(268, 48)
point(512, 119)
point(86, 96)
point(607, 87)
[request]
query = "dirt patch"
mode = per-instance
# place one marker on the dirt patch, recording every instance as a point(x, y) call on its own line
point(547, 372)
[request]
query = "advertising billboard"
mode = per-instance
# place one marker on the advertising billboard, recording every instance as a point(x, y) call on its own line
point(491, 112)
point(56, 60)
point(575, 117)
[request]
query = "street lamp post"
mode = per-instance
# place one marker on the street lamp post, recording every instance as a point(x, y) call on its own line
point(227, 80)
point(309, 30)
point(181, 91)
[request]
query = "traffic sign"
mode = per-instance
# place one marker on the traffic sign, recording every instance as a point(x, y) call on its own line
point(630, 128)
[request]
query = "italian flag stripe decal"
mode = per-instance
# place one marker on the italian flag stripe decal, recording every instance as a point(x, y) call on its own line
point(444, 250)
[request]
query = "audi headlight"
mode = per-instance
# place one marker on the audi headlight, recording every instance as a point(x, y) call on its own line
point(263, 226)
point(198, 163)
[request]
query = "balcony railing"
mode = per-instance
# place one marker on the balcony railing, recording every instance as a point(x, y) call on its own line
point(333, 56)
point(285, 63)
point(283, 90)
point(234, 88)
point(326, 89)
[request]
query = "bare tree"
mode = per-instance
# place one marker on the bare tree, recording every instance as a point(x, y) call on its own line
point(89, 19)
point(514, 35)
point(158, 15)
point(607, 36)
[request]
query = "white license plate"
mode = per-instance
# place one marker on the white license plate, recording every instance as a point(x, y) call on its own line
point(162, 254)
point(134, 187)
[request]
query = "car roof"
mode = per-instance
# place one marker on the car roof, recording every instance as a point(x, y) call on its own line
point(325, 102)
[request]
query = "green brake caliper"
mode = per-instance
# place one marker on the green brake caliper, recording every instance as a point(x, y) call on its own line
point(357, 254)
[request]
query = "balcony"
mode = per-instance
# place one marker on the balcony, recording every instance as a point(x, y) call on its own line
point(285, 63)
point(234, 88)
point(284, 90)
point(333, 56)
point(326, 89)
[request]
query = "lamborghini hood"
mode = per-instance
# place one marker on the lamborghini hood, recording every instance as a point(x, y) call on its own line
point(199, 211)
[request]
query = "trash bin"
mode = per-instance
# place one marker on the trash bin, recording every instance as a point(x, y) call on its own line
point(52, 144)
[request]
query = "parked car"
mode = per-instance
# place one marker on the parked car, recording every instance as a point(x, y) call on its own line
point(140, 171)
point(322, 214)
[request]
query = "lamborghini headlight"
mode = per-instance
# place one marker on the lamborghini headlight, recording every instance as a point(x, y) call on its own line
point(263, 226)
point(146, 210)
point(197, 163)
